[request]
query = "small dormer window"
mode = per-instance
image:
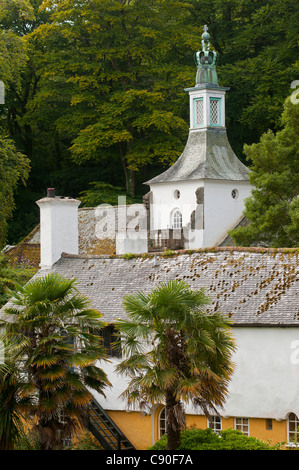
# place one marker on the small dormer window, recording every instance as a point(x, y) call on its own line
point(198, 112)
point(215, 111)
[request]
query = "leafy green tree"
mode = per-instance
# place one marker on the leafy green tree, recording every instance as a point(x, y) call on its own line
point(13, 50)
point(104, 193)
point(273, 209)
point(54, 338)
point(20, 61)
point(175, 352)
point(96, 87)
point(11, 276)
point(14, 168)
point(122, 66)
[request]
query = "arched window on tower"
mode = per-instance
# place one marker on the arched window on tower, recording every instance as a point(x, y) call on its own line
point(177, 219)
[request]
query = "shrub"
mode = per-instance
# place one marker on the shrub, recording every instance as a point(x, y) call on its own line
point(86, 442)
point(206, 439)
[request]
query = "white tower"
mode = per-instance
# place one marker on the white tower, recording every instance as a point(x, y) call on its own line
point(203, 192)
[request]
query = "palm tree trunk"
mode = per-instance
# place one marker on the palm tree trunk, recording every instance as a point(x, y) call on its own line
point(172, 426)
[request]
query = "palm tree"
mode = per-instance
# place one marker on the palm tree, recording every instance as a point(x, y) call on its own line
point(15, 399)
point(175, 353)
point(54, 334)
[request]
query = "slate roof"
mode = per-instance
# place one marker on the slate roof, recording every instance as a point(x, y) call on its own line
point(207, 155)
point(254, 287)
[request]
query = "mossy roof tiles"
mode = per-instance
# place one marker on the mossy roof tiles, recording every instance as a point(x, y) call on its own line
point(252, 287)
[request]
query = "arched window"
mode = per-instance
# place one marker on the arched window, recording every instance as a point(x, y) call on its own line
point(293, 429)
point(177, 219)
point(162, 422)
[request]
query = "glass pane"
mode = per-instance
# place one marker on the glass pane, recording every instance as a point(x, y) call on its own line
point(199, 112)
point(177, 220)
point(214, 112)
point(292, 426)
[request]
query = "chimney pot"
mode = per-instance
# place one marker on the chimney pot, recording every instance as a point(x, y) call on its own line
point(50, 192)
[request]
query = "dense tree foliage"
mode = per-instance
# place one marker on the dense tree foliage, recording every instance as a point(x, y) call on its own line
point(14, 166)
point(273, 208)
point(95, 89)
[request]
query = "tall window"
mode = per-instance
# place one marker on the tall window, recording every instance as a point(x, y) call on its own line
point(215, 111)
point(293, 429)
point(198, 112)
point(162, 422)
point(269, 424)
point(214, 422)
point(110, 341)
point(177, 219)
point(242, 424)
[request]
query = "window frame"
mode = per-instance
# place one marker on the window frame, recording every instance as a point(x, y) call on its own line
point(195, 123)
point(213, 98)
point(173, 219)
point(109, 338)
point(163, 410)
point(212, 424)
point(242, 425)
point(269, 424)
point(296, 432)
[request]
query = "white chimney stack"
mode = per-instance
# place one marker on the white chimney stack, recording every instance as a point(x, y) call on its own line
point(58, 227)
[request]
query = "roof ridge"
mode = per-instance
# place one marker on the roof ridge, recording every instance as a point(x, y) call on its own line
point(169, 253)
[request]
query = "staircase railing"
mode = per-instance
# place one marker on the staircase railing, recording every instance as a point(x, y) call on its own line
point(105, 430)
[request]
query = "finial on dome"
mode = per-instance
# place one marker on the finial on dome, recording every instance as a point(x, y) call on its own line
point(206, 62)
point(205, 39)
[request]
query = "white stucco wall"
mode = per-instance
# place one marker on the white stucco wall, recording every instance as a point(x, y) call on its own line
point(265, 383)
point(164, 202)
point(221, 211)
point(129, 241)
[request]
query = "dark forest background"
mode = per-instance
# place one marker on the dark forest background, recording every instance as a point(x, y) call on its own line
point(94, 91)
